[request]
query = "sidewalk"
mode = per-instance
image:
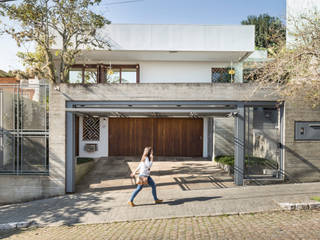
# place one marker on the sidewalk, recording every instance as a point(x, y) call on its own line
point(103, 207)
point(263, 226)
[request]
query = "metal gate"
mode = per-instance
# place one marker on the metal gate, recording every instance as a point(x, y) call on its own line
point(24, 129)
point(263, 143)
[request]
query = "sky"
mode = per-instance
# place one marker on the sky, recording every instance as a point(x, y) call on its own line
point(218, 12)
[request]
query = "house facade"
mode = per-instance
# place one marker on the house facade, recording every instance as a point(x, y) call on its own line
point(177, 88)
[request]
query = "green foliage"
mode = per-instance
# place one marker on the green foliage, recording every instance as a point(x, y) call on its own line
point(84, 160)
point(72, 24)
point(315, 198)
point(269, 31)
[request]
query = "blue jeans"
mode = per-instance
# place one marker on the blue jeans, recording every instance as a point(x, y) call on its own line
point(139, 188)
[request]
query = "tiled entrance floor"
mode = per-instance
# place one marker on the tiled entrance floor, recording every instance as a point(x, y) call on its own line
point(183, 174)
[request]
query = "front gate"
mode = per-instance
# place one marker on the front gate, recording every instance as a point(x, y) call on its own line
point(24, 129)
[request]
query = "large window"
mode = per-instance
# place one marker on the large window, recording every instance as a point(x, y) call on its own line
point(104, 74)
point(220, 75)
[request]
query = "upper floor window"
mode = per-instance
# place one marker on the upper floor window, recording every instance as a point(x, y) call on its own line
point(104, 74)
point(221, 75)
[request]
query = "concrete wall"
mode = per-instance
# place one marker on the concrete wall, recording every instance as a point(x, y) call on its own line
point(163, 91)
point(223, 136)
point(302, 158)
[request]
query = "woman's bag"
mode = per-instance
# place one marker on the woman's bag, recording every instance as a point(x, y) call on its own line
point(142, 180)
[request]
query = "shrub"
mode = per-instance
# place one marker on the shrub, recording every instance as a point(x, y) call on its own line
point(249, 161)
point(84, 160)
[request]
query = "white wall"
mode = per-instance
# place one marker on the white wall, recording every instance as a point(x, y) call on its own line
point(182, 72)
point(102, 144)
point(165, 37)
point(179, 72)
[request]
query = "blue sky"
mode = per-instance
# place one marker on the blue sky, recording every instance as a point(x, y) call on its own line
point(165, 12)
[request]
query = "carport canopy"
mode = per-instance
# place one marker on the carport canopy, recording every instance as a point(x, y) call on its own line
point(193, 109)
point(154, 109)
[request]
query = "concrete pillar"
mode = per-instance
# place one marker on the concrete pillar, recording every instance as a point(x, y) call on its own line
point(205, 137)
point(239, 141)
point(211, 138)
point(70, 154)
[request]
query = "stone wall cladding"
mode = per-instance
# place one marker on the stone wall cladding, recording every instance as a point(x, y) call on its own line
point(302, 158)
point(224, 134)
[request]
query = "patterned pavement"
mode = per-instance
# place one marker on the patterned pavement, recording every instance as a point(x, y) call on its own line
point(269, 225)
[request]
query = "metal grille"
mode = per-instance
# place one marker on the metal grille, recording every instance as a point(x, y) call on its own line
point(221, 75)
point(91, 129)
point(24, 129)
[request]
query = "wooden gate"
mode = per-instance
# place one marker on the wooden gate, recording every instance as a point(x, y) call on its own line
point(168, 136)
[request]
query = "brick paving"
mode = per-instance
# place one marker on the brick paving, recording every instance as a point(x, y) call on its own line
point(270, 225)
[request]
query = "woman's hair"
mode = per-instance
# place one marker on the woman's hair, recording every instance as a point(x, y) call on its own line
point(148, 149)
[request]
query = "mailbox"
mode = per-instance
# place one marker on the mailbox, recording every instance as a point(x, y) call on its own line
point(91, 147)
point(307, 131)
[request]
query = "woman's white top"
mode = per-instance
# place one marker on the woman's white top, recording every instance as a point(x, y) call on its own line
point(144, 167)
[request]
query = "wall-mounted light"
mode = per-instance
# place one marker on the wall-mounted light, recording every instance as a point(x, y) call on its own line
point(110, 71)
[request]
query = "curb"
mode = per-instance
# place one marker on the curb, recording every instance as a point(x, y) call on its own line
point(299, 206)
point(17, 225)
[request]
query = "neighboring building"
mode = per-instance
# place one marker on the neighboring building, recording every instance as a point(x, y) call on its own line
point(178, 88)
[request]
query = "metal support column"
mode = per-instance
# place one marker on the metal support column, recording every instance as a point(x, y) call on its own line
point(239, 140)
point(70, 155)
point(282, 143)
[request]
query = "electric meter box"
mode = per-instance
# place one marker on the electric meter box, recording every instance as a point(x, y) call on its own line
point(307, 131)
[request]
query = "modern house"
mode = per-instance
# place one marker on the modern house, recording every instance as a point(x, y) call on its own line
point(178, 88)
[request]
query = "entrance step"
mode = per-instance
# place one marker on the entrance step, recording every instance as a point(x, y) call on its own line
point(262, 180)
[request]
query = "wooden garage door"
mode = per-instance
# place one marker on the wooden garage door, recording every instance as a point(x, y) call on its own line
point(168, 136)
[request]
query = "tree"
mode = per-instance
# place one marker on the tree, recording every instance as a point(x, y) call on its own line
point(269, 31)
point(71, 25)
point(294, 72)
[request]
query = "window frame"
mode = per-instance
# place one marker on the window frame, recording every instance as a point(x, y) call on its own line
point(102, 68)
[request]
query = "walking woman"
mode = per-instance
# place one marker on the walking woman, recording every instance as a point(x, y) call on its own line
point(144, 176)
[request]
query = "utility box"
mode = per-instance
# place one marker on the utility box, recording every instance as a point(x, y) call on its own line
point(307, 131)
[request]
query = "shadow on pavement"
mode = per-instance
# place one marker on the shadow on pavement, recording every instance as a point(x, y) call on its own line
point(68, 209)
point(185, 200)
point(182, 201)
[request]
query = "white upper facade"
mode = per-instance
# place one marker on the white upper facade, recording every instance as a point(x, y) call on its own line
point(174, 53)
point(169, 42)
point(169, 37)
